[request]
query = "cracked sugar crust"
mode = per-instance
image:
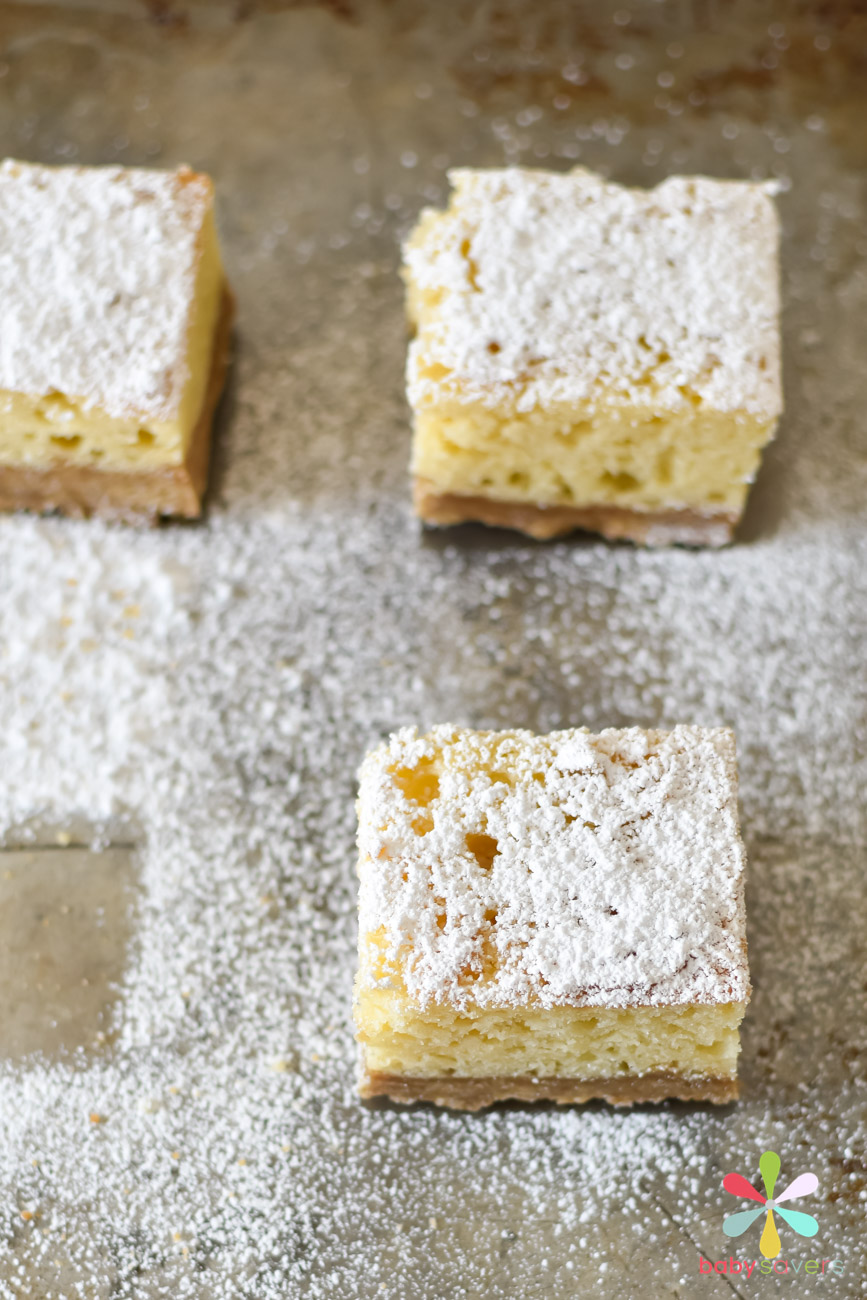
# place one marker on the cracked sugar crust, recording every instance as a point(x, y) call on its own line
point(508, 869)
point(537, 288)
point(97, 277)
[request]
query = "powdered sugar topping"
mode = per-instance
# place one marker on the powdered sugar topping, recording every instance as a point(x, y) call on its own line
point(97, 269)
point(306, 617)
point(542, 288)
point(568, 869)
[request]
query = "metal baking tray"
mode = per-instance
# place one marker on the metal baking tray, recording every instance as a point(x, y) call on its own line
point(183, 711)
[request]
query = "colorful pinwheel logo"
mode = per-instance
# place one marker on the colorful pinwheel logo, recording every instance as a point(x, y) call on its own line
point(804, 1224)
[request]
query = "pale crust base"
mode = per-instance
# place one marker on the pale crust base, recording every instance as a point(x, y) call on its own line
point(474, 1094)
point(134, 496)
point(648, 527)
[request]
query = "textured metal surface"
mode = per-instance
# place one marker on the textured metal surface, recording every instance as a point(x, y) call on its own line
point(326, 129)
point(65, 919)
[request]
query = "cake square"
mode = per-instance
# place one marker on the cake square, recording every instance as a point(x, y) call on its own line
point(554, 917)
point(592, 356)
point(114, 332)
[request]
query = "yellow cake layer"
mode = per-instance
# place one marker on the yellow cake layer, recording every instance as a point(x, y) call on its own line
point(43, 429)
point(693, 458)
point(570, 1042)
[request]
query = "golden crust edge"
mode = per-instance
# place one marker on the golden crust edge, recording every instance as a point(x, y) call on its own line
point(543, 522)
point(476, 1094)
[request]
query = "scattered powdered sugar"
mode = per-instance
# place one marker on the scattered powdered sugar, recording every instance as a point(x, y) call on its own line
point(97, 271)
point(202, 689)
point(588, 870)
point(550, 288)
point(208, 692)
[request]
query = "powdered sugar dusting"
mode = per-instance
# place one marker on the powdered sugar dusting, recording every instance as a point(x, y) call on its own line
point(556, 288)
point(598, 870)
point(214, 689)
point(97, 272)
